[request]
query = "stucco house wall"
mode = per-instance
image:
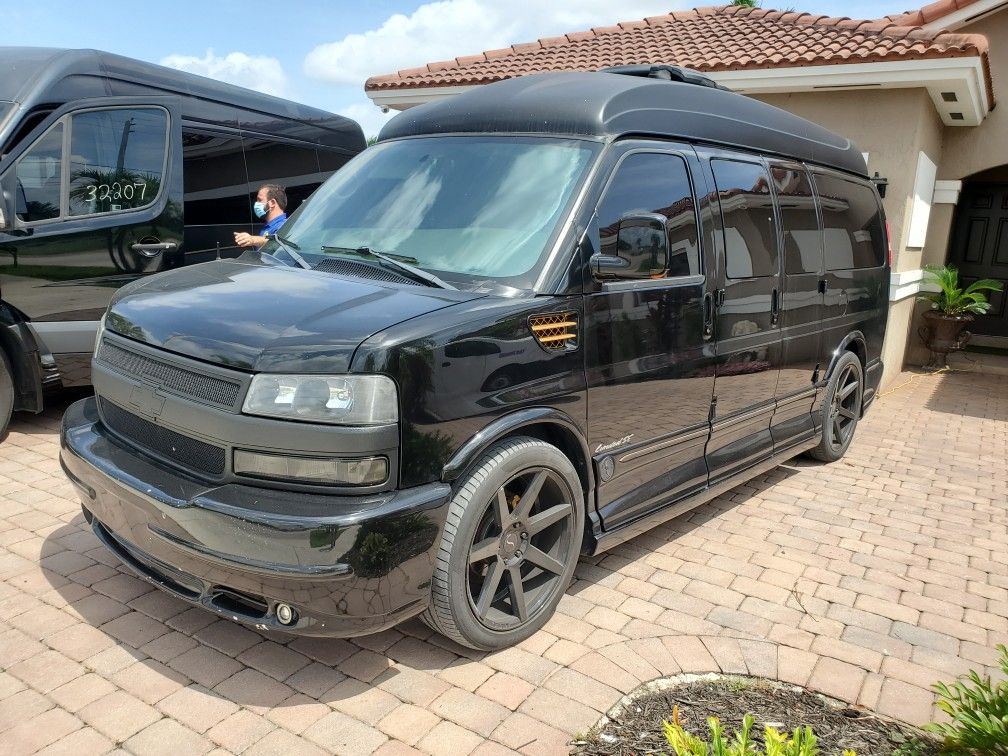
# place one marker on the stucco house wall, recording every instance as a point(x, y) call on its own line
point(965, 153)
point(971, 150)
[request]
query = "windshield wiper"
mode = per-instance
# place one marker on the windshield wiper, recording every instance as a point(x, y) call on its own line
point(411, 271)
point(288, 246)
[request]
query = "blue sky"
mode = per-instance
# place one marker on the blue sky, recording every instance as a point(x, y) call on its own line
point(320, 52)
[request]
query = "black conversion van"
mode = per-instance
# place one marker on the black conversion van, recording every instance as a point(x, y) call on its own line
point(110, 169)
point(533, 321)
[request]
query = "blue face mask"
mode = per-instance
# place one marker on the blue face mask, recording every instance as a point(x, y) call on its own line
point(259, 208)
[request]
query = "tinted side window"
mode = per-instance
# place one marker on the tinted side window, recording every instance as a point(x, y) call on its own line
point(294, 167)
point(117, 159)
point(39, 177)
point(799, 223)
point(750, 232)
point(214, 181)
point(853, 232)
point(28, 124)
point(653, 183)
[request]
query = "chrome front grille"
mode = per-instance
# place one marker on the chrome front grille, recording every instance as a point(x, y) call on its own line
point(181, 451)
point(178, 380)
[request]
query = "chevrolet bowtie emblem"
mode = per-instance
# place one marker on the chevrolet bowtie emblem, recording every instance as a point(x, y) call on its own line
point(147, 400)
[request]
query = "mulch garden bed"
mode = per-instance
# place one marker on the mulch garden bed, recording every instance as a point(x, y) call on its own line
point(636, 728)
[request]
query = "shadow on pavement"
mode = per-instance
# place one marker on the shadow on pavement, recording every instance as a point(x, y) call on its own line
point(974, 395)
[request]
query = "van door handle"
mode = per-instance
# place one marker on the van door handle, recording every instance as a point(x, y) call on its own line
point(823, 285)
point(774, 306)
point(708, 315)
point(153, 250)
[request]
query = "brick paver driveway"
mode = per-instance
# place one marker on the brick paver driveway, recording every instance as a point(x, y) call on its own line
point(867, 579)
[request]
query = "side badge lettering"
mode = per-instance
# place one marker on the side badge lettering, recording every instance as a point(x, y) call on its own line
point(613, 444)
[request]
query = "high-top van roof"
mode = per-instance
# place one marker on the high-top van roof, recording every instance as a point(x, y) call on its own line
point(40, 76)
point(612, 105)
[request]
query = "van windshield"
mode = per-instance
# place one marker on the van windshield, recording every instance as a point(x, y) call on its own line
point(468, 208)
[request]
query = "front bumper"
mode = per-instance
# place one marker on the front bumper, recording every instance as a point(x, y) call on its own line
point(348, 565)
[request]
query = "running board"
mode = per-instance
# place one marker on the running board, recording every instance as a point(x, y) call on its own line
point(612, 538)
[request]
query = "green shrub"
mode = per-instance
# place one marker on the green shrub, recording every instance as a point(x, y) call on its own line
point(952, 300)
point(979, 712)
point(802, 742)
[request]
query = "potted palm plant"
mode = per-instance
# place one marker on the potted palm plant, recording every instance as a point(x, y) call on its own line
point(952, 308)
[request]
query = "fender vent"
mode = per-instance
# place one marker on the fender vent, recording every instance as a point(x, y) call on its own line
point(555, 331)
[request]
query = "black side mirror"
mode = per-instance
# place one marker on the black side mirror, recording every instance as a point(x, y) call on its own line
point(638, 250)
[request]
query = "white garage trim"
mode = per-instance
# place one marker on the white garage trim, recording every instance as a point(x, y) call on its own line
point(946, 192)
point(908, 283)
point(962, 78)
point(920, 209)
point(963, 16)
point(401, 99)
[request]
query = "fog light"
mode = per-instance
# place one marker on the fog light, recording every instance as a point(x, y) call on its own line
point(361, 471)
point(285, 614)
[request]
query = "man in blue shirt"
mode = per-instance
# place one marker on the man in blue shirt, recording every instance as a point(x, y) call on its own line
point(271, 206)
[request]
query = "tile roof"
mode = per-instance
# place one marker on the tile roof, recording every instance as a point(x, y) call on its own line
point(718, 38)
point(929, 13)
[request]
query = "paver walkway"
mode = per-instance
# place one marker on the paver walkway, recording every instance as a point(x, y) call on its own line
point(868, 579)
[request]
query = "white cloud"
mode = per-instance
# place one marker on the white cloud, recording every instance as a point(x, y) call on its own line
point(258, 72)
point(369, 116)
point(449, 28)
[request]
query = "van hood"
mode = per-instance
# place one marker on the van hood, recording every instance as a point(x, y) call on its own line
point(263, 317)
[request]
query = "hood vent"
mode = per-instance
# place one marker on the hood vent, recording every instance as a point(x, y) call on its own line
point(555, 331)
point(354, 269)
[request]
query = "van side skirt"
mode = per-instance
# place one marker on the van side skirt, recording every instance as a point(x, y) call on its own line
point(612, 538)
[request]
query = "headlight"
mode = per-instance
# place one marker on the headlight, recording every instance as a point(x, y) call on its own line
point(334, 399)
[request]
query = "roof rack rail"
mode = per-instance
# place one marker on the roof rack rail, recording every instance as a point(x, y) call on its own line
point(665, 72)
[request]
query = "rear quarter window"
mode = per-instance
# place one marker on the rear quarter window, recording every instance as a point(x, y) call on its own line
point(853, 230)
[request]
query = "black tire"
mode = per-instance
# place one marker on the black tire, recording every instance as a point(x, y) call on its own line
point(496, 537)
point(841, 409)
point(6, 395)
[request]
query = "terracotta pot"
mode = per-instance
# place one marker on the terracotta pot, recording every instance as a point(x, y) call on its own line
point(945, 333)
